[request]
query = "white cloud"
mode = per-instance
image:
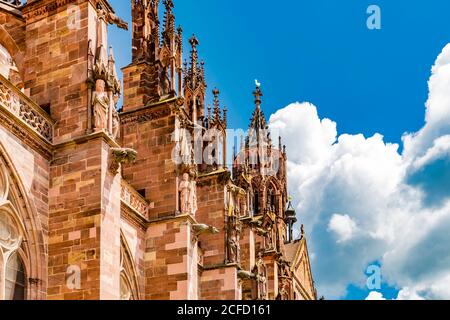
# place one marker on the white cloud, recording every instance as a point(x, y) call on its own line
point(408, 294)
point(375, 295)
point(343, 226)
point(397, 206)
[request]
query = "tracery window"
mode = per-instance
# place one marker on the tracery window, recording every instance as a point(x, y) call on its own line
point(125, 288)
point(128, 279)
point(15, 278)
point(12, 274)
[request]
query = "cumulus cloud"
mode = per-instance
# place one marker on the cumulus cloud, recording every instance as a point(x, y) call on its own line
point(375, 295)
point(396, 206)
point(343, 226)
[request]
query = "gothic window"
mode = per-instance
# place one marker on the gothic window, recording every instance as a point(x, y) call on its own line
point(12, 276)
point(250, 203)
point(271, 200)
point(15, 278)
point(125, 288)
point(256, 203)
point(128, 278)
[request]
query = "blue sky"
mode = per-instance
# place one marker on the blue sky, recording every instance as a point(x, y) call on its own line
point(320, 51)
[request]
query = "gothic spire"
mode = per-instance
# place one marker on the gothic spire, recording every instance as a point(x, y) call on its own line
point(216, 104)
point(258, 120)
point(194, 60)
point(169, 22)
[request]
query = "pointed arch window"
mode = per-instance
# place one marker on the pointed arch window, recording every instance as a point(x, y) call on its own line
point(128, 278)
point(12, 274)
point(15, 284)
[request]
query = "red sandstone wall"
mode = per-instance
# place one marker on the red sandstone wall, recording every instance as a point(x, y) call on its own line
point(171, 261)
point(220, 284)
point(56, 64)
point(211, 204)
point(154, 171)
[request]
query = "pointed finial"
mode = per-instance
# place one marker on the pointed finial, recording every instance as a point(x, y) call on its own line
point(209, 116)
point(258, 94)
point(216, 111)
point(216, 93)
point(225, 111)
point(194, 42)
point(111, 54)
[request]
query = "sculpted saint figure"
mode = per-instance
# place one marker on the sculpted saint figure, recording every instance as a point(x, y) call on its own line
point(261, 278)
point(193, 197)
point(100, 102)
point(115, 124)
point(185, 194)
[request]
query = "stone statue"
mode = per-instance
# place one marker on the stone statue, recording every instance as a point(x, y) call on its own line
point(233, 241)
point(269, 239)
point(193, 197)
point(243, 207)
point(164, 82)
point(283, 293)
point(185, 194)
point(185, 147)
point(261, 278)
point(115, 124)
point(100, 103)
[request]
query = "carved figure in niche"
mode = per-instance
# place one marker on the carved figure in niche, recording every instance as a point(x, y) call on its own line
point(193, 197)
point(100, 102)
point(261, 278)
point(185, 146)
point(244, 207)
point(164, 82)
point(185, 194)
point(234, 230)
point(115, 120)
point(269, 239)
point(284, 290)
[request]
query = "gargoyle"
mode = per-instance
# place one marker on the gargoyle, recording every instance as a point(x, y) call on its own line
point(200, 229)
point(121, 155)
point(246, 275)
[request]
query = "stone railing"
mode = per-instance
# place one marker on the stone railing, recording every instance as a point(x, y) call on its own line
point(25, 110)
point(133, 199)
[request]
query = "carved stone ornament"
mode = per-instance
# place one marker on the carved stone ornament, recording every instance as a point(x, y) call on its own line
point(188, 195)
point(261, 278)
point(121, 155)
point(199, 229)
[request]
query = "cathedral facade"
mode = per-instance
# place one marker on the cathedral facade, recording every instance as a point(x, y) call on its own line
point(140, 202)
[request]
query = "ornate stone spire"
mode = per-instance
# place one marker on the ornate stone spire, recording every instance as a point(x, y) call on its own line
point(194, 82)
point(194, 62)
point(216, 104)
point(258, 120)
point(145, 33)
point(169, 23)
